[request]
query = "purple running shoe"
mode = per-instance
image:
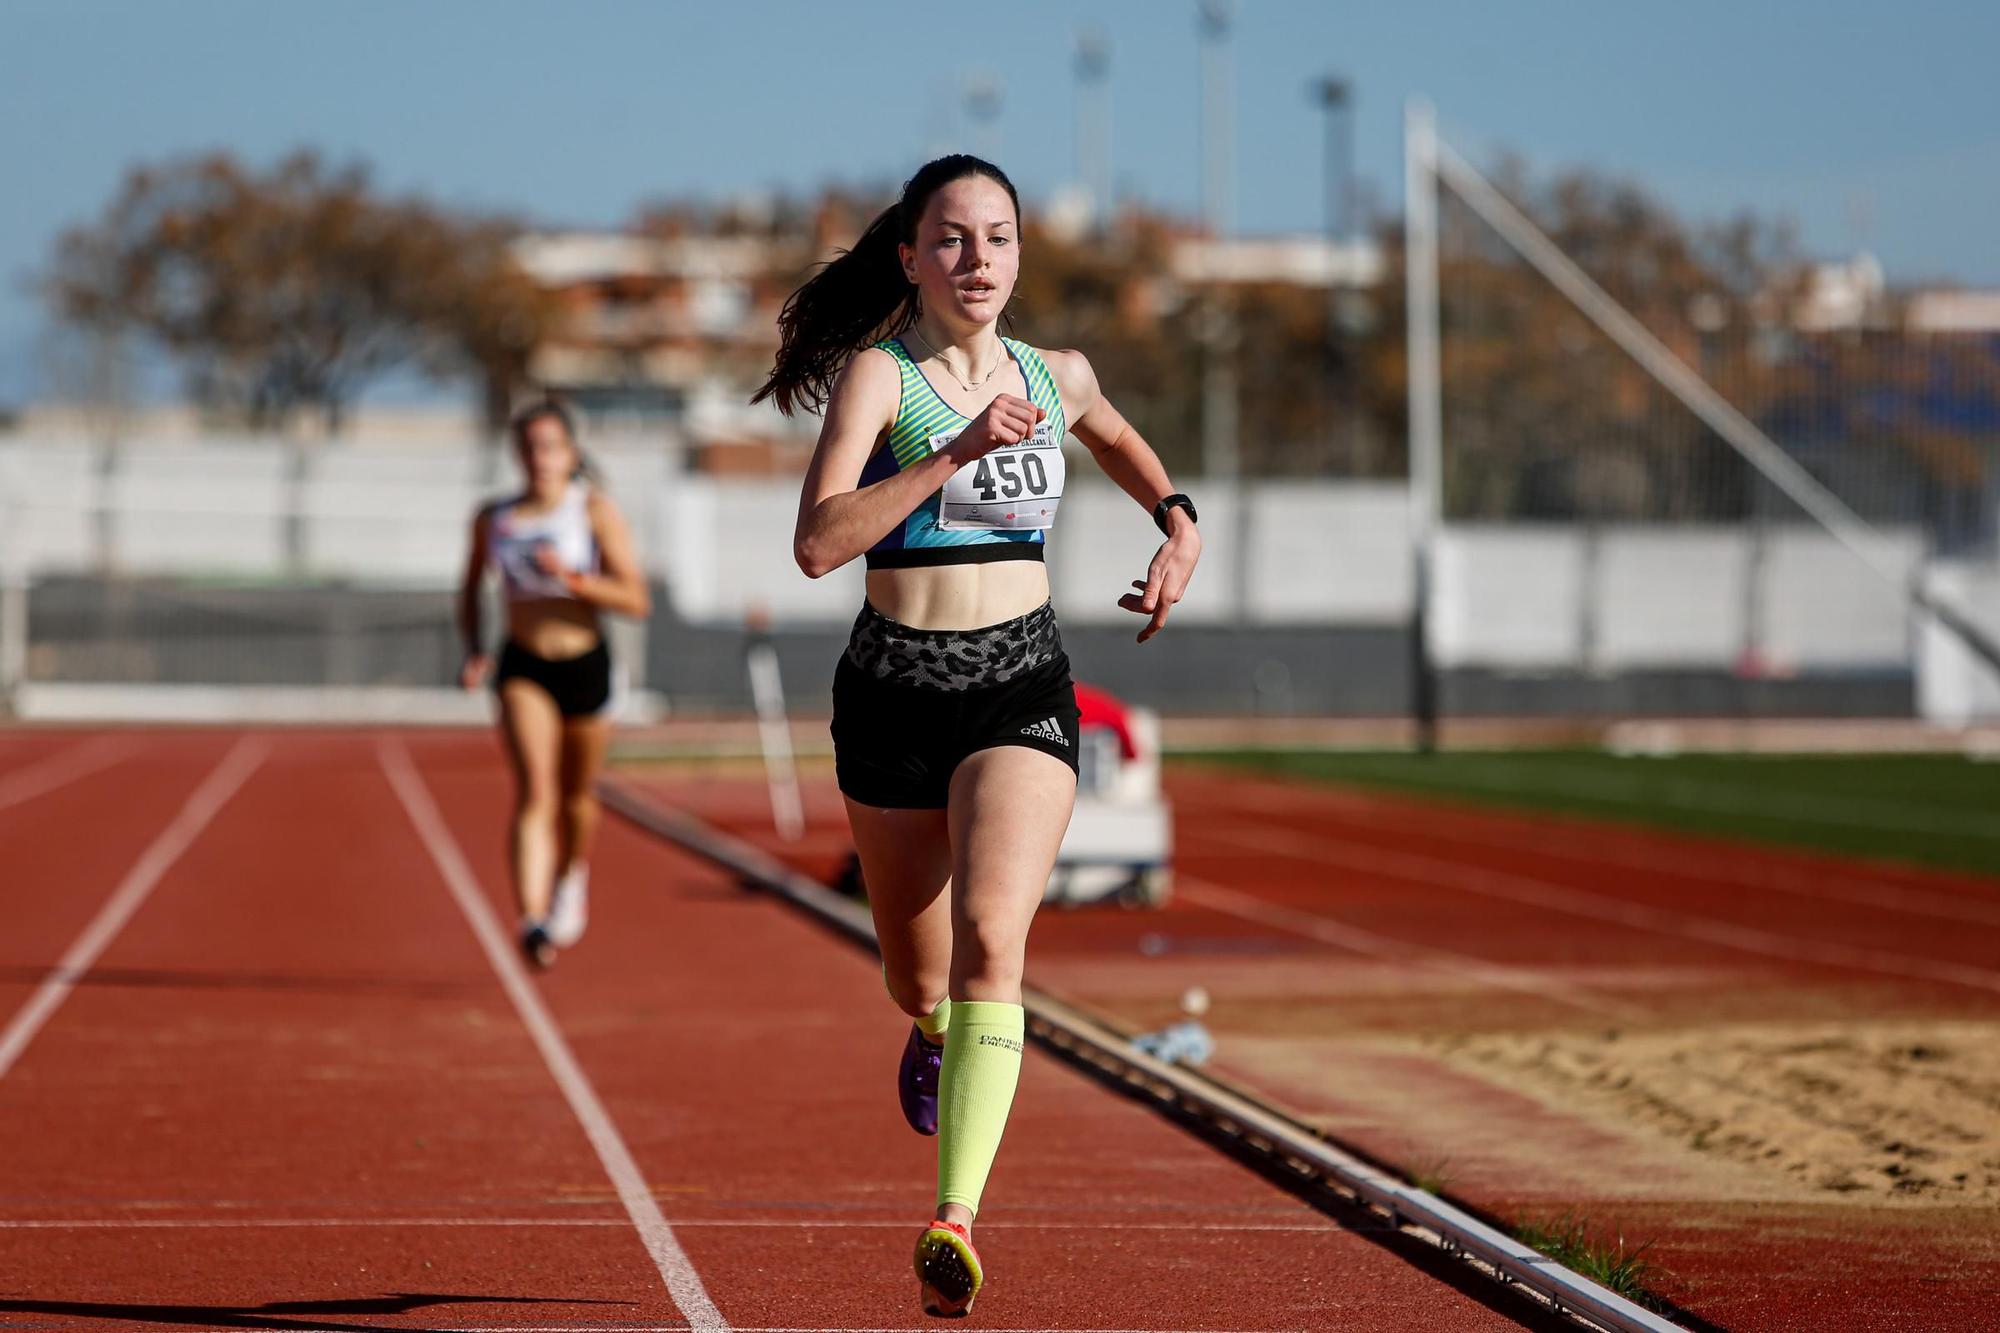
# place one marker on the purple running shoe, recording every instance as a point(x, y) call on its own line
point(917, 1081)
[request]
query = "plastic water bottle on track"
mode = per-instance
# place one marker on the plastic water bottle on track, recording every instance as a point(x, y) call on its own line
point(1184, 1043)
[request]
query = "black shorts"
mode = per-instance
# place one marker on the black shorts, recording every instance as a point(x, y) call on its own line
point(580, 686)
point(909, 705)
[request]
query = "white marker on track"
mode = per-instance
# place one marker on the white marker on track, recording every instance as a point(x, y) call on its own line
point(684, 1285)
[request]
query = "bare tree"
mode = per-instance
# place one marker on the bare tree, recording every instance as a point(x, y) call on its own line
point(289, 291)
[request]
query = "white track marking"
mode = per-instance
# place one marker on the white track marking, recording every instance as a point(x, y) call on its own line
point(1327, 930)
point(720, 1223)
point(684, 1285)
point(762, 1328)
point(146, 872)
point(1583, 846)
point(1426, 870)
point(62, 768)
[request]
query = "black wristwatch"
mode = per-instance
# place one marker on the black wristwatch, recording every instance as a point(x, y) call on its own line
point(1174, 501)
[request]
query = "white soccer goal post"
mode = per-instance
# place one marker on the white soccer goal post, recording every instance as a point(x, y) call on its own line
point(1585, 499)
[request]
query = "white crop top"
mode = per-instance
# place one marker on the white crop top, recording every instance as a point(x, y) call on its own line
point(514, 537)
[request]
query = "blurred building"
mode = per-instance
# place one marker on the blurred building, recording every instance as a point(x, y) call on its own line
point(1286, 261)
point(1843, 295)
point(668, 330)
point(670, 335)
point(1955, 310)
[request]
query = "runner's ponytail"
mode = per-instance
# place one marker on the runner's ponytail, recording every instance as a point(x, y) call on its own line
point(862, 295)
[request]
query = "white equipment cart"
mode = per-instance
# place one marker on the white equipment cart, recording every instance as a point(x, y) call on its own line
point(1120, 841)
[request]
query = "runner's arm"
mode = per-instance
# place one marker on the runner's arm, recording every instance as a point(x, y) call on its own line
point(839, 518)
point(1125, 457)
point(470, 632)
point(619, 584)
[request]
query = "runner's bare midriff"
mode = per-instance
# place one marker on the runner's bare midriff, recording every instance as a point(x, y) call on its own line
point(554, 627)
point(959, 596)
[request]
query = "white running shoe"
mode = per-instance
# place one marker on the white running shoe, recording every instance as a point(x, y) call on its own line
point(569, 908)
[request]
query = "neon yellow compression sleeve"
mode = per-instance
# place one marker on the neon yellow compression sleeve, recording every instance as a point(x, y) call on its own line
point(982, 1066)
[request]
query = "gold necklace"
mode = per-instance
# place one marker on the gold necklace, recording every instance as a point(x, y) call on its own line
point(969, 387)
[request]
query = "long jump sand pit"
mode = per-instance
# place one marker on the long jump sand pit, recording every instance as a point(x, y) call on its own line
point(1874, 1111)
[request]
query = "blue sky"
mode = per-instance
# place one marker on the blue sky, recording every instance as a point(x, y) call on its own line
point(1872, 125)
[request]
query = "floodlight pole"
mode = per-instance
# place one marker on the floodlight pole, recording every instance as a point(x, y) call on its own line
point(1221, 424)
point(1336, 97)
point(982, 95)
point(1093, 125)
point(1220, 457)
point(1426, 408)
point(13, 608)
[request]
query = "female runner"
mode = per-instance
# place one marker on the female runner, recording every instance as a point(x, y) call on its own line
point(564, 555)
point(955, 723)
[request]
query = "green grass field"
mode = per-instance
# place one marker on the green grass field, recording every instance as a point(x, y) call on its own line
point(1940, 810)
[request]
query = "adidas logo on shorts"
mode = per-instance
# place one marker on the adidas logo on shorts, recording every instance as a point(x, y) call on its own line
point(1046, 730)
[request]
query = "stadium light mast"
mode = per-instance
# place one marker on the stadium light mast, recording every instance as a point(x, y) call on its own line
point(983, 99)
point(1093, 124)
point(1218, 163)
point(1336, 97)
point(1426, 406)
point(1219, 455)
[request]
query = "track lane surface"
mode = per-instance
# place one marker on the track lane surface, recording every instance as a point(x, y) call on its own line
point(749, 1057)
point(297, 1025)
point(293, 1095)
point(64, 851)
point(1601, 879)
point(1339, 933)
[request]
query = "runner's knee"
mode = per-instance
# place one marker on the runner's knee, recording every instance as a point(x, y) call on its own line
point(987, 958)
point(536, 800)
point(916, 993)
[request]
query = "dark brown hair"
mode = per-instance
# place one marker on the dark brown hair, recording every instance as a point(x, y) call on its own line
point(552, 408)
point(861, 295)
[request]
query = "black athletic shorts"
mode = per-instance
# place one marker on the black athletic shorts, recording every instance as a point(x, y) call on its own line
point(909, 705)
point(581, 685)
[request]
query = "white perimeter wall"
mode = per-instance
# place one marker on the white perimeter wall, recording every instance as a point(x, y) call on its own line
point(1954, 687)
point(1296, 553)
point(1552, 597)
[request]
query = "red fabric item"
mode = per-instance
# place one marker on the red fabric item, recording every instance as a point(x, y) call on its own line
point(1099, 709)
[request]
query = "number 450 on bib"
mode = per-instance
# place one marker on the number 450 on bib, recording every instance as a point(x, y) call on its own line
point(1016, 486)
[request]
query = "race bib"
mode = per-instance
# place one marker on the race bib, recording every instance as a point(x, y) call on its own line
point(1016, 486)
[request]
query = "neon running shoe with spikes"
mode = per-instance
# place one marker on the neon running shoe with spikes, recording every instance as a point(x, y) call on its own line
point(948, 1271)
point(917, 1080)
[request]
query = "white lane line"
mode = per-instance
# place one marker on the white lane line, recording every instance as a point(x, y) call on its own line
point(763, 1223)
point(761, 1328)
point(1597, 846)
point(151, 867)
point(684, 1285)
point(1328, 930)
point(1549, 896)
point(62, 768)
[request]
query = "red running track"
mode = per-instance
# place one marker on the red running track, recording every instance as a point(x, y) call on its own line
point(292, 1089)
point(1341, 933)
